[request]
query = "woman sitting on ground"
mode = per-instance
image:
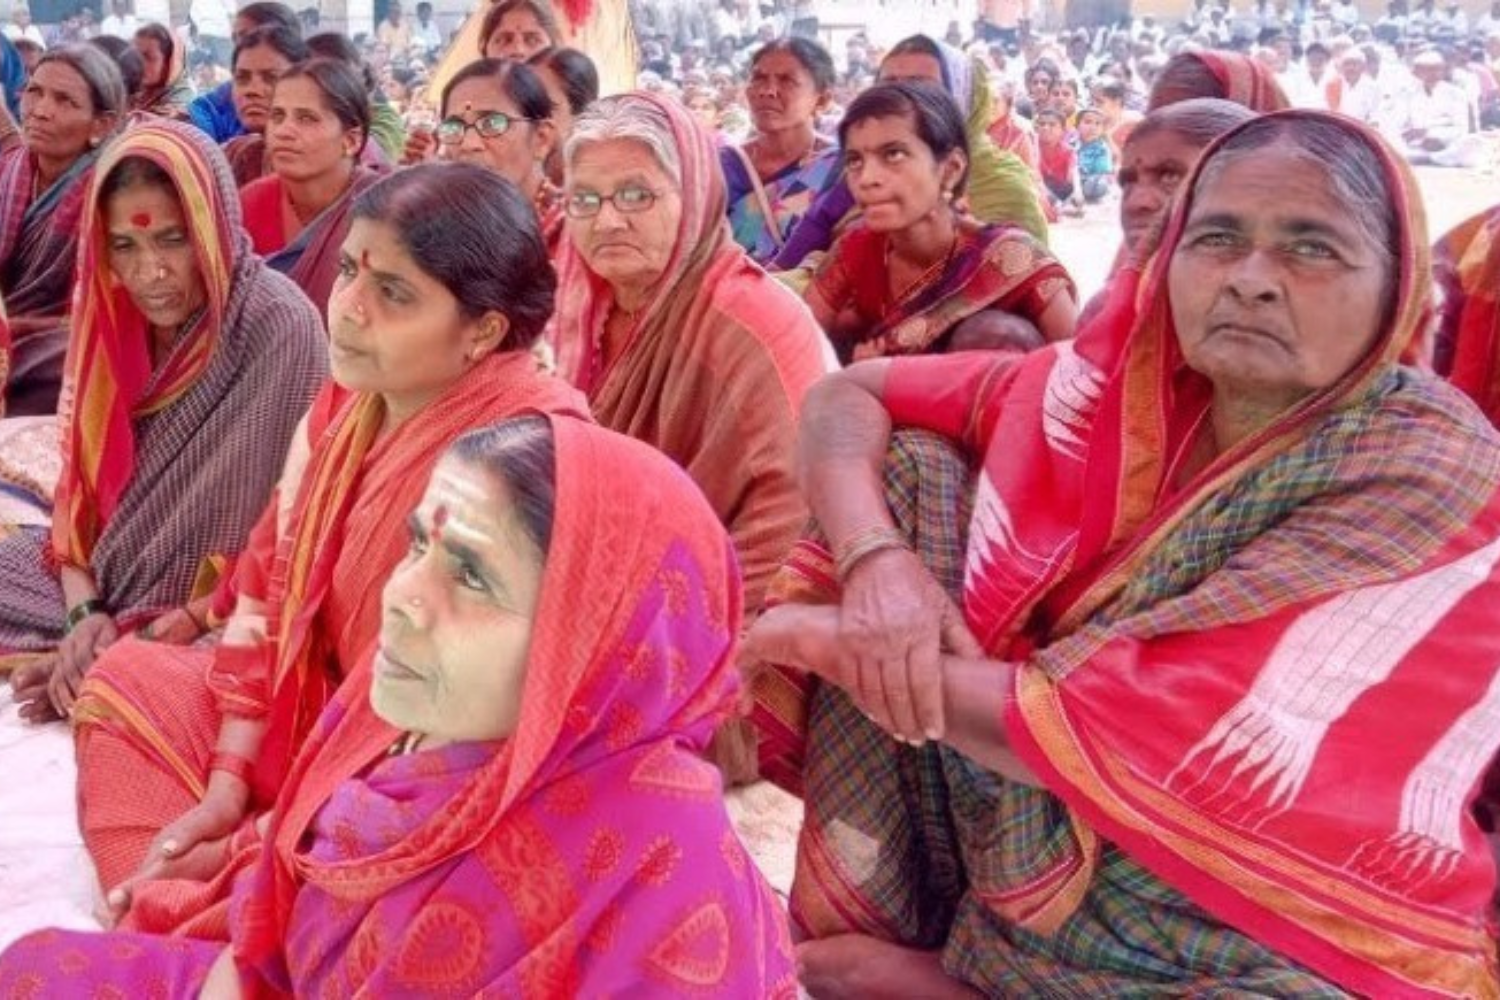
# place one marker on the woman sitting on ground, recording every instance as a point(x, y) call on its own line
point(444, 285)
point(260, 57)
point(496, 114)
point(774, 177)
point(298, 215)
point(165, 88)
point(677, 337)
point(1000, 189)
point(572, 82)
point(1197, 728)
point(917, 275)
point(70, 106)
point(188, 368)
point(507, 797)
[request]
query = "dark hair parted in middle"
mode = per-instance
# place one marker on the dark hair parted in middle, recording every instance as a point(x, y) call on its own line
point(332, 45)
point(933, 114)
point(264, 13)
point(813, 57)
point(344, 93)
point(579, 75)
point(475, 234)
point(521, 454)
point(519, 81)
point(288, 44)
point(541, 11)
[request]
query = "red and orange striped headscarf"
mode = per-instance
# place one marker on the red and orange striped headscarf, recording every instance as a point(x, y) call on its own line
point(109, 378)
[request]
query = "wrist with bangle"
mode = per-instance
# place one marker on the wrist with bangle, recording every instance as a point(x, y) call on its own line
point(83, 610)
point(233, 764)
point(864, 543)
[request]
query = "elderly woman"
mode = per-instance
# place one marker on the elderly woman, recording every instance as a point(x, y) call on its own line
point(444, 286)
point(677, 337)
point(504, 799)
point(674, 334)
point(1196, 727)
point(70, 106)
point(189, 365)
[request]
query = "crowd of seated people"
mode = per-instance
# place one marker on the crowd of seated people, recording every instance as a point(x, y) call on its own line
point(420, 530)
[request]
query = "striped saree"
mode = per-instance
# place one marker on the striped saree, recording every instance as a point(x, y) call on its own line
point(1261, 702)
point(38, 253)
point(150, 713)
point(165, 468)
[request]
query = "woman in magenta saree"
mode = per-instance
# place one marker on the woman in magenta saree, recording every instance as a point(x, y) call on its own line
point(576, 845)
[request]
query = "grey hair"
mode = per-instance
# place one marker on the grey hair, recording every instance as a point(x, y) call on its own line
point(627, 116)
point(1200, 120)
point(1352, 168)
point(99, 72)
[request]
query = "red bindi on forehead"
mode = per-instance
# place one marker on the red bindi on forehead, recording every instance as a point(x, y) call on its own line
point(141, 220)
point(439, 519)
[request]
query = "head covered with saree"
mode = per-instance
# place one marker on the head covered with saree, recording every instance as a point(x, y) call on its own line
point(587, 852)
point(702, 239)
point(1230, 76)
point(1238, 669)
point(251, 325)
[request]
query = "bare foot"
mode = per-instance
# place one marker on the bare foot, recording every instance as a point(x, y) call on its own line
point(865, 968)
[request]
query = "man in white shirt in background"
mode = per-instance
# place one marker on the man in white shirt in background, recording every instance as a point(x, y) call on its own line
point(1436, 113)
point(1358, 94)
point(20, 26)
point(120, 23)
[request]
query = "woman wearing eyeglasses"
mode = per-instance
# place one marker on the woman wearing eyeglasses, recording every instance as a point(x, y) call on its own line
point(674, 334)
point(496, 114)
point(298, 215)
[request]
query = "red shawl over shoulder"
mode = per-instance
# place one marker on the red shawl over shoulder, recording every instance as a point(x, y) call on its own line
point(1466, 264)
point(587, 855)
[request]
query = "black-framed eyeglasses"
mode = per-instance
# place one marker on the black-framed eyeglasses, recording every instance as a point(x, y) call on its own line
point(451, 131)
point(627, 201)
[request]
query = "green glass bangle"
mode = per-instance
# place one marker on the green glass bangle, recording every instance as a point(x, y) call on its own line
point(82, 610)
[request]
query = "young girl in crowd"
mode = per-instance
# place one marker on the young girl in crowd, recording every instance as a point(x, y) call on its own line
point(920, 276)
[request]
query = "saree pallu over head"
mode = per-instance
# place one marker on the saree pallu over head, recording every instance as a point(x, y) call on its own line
point(39, 233)
point(1466, 264)
point(1275, 685)
point(165, 465)
point(1245, 80)
point(714, 372)
point(1001, 187)
point(357, 490)
point(589, 854)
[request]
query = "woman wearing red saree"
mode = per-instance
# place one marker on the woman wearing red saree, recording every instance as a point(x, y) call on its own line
point(298, 215)
point(444, 286)
point(260, 57)
point(1229, 76)
point(71, 104)
point(189, 366)
point(508, 797)
point(917, 275)
point(1466, 349)
point(1222, 688)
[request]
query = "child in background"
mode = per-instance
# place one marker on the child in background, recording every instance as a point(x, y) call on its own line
point(1065, 99)
point(1096, 159)
point(1059, 164)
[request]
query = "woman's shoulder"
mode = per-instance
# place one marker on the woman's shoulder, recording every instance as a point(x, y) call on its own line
point(277, 312)
point(761, 322)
